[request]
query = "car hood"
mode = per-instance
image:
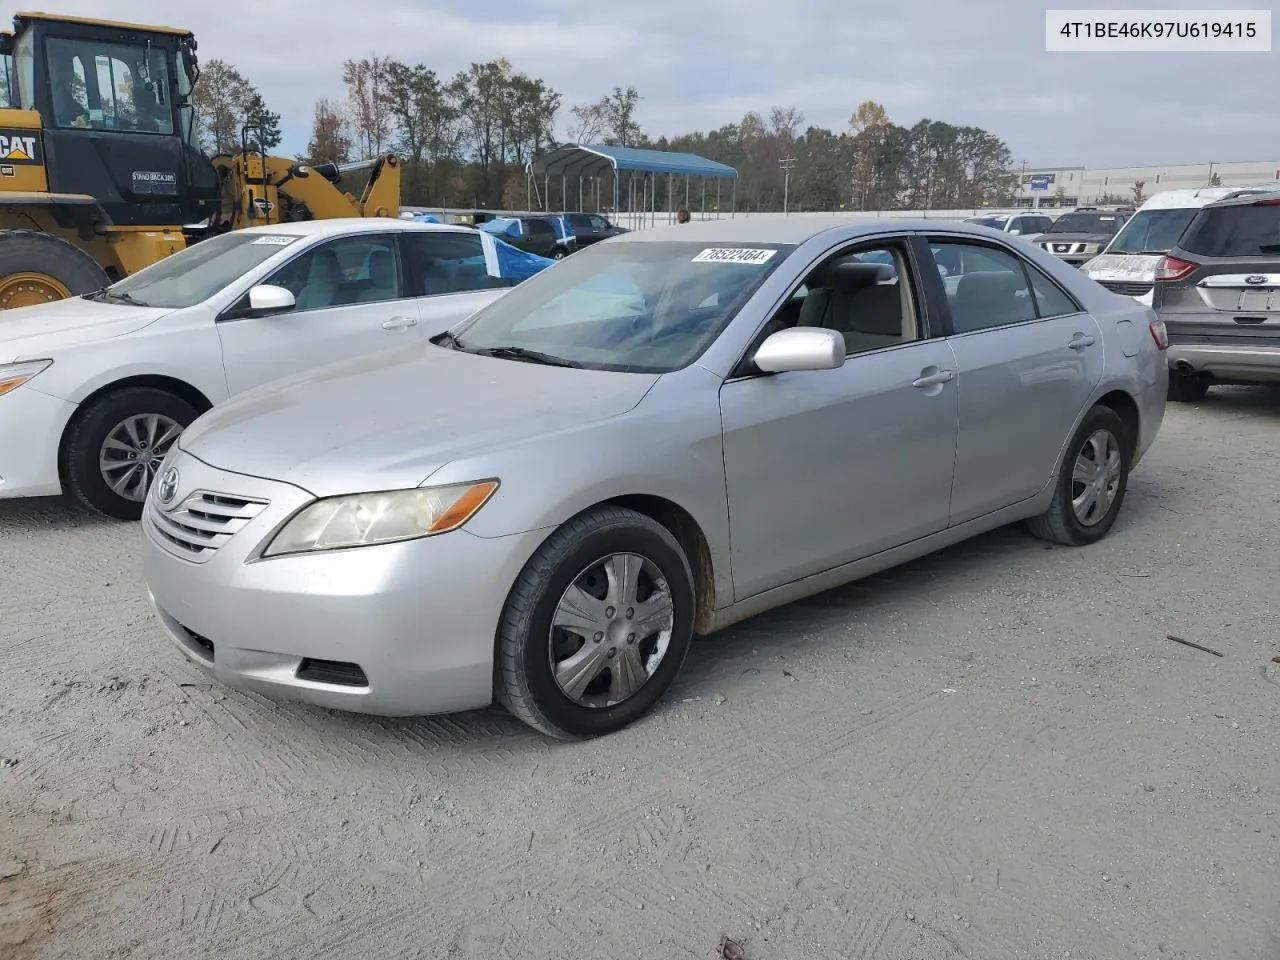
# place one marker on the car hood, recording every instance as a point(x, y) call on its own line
point(1132, 267)
point(390, 420)
point(38, 331)
point(1074, 238)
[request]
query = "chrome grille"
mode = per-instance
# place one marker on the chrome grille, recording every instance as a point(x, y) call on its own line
point(202, 523)
point(1130, 288)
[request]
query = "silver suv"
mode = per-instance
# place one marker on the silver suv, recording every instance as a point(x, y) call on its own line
point(1218, 293)
point(1024, 225)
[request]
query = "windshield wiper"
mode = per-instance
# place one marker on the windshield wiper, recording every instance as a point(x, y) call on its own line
point(448, 340)
point(527, 355)
point(105, 295)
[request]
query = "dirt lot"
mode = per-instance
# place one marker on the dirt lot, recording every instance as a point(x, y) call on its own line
point(991, 753)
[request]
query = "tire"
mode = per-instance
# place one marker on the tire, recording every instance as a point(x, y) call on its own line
point(83, 476)
point(525, 682)
point(1061, 523)
point(1187, 388)
point(39, 267)
point(558, 255)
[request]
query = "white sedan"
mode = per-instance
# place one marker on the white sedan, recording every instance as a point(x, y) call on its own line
point(95, 390)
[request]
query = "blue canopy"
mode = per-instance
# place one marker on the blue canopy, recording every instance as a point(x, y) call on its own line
point(599, 160)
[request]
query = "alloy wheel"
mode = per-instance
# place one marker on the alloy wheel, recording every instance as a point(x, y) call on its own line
point(1095, 480)
point(133, 451)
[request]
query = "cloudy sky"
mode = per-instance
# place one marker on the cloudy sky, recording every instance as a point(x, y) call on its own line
point(701, 63)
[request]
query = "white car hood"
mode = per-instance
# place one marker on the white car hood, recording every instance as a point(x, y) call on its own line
point(1125, 267)
point(35, 332)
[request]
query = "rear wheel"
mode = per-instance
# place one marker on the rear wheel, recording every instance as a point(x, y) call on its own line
point(114, 448)
point(39, 268)
point(596, 626)
point(1091, 482)
point(1187, 387)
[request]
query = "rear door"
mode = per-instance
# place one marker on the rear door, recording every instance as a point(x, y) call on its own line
point(1027, 360)
point(1224, 279)
point(350, 301)
point(449, 276)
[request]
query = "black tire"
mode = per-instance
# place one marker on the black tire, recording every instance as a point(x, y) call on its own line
point(1187, 387)
point(558, 255)
point(82, 477)
point(524, 681)
point(1059, 524)
point(33, 252)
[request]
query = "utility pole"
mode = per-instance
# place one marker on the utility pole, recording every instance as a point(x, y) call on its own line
point(786, 164)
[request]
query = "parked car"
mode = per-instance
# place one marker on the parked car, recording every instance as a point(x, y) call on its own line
point(1218, 293)
point(94, 390)
point(1028, 226)
point(589, 228)
point(1080, 235)
point(546, 235)
point(662, 435)
point(1127, 265)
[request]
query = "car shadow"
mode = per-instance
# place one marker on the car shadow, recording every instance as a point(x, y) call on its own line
point(1253, 402)
point(50, 514)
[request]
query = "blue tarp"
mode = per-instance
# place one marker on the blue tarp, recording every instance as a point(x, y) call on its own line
point(501, 259)
point(501, 227)
point(424, 218)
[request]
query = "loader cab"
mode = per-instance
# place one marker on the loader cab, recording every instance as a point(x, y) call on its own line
point(118, 123)
point(8, 95)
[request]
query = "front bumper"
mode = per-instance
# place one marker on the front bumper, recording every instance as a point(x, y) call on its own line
point(416, 620)
point(31, 424)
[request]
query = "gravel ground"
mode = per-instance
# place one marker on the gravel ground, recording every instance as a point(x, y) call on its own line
point(991, 753)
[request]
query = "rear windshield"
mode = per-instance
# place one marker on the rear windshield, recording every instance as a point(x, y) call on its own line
point(996, 223)
point(1235, 231)
point(1086, 223)
point(1152, 231)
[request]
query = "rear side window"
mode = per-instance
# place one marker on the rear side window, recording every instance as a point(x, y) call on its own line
point(1236, 231)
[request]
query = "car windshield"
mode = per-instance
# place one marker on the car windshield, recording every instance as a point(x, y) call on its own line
point(195, 274)
point(996, 223)
point(1152, 231)
point(1235, 231)
point(1086, 223)
point(641, 307)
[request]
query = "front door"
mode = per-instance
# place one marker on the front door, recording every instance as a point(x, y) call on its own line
point(350, 301)
point(826, 467)
point(1028, 359)
point(452, 274)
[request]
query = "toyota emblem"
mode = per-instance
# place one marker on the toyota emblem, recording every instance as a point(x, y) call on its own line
point(1256, 280)
point(168, 485)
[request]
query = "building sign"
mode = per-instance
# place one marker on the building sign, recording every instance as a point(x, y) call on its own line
point(1039, 181)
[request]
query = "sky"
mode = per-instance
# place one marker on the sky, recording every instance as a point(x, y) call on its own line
point(699, 64)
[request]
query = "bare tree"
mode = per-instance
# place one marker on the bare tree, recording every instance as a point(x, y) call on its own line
point(220, 100)
point(589, 123)
point(1138, 195)
point(330, 142)
point(370, 112)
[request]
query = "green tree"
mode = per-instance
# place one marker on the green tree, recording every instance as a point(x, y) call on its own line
point(220, 99)
point(266, 123)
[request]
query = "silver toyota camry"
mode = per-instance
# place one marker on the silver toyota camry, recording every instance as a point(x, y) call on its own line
point(667, 432)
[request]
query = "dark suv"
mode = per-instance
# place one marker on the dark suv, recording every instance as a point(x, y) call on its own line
point(591, 228)
point(1081, 235)
point(546, 235)
point(1218, 293)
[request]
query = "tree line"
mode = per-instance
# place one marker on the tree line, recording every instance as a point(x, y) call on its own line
point(464, 141)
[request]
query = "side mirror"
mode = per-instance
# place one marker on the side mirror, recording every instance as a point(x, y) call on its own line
point(267, 299)
point(800, 348)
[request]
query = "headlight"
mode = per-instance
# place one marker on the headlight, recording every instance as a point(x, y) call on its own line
point(364, 519)
point(14, 375)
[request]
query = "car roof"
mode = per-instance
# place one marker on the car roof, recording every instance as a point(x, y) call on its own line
point(1245, 198)
point(343, 226)
point(1194, 199)
point(791, 230)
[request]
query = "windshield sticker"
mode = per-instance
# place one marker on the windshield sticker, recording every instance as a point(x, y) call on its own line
point(734, 255)
point(1106, 218)
point(275, 240)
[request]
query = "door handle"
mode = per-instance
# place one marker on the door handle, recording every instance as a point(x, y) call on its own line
point(399, 323)
point(1080, 341)
point(933, 379)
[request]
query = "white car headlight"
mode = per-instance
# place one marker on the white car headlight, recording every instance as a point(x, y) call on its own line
point(364, 519)
point(14, 375)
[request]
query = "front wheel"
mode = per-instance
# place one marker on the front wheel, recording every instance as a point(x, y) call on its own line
point(596, 626)
point(115, 446)
point(1091, 482)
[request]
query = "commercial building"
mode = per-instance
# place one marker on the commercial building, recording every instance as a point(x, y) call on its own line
point(1077, 186)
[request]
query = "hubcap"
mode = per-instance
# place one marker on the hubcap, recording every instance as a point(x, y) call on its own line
point(29, 289)
point(1096, 478)
point(132, 453)
point(611, 630)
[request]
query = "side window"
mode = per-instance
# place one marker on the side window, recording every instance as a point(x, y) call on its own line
point(863, 293)
point(447, 262)
point(599, 222)
point(985, 287)
point(342, 273)
point(1051, 300)
point(539, 228)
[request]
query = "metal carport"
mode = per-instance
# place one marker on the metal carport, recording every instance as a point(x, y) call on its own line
point(624, 164)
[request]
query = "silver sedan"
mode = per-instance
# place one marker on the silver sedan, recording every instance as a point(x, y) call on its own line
point(668, 432)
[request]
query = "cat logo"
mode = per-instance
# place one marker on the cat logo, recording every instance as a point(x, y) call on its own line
point(17, 148)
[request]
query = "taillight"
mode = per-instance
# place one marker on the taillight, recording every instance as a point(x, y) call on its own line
point(1269, 202)
point(1171, 268)
point(1159, 334)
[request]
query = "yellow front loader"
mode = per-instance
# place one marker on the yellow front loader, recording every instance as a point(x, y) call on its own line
point(101, 173)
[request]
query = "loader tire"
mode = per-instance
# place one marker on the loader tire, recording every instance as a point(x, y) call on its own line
point(39, 267)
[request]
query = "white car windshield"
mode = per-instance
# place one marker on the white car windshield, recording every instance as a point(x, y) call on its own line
point(642, 307)
point(195, 274)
